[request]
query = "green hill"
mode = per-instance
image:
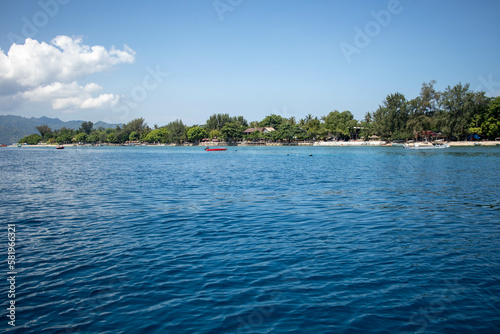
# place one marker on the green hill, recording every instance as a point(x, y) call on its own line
point(13, 128)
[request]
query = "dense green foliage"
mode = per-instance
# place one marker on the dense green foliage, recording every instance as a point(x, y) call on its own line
point(340, 124)
point(31, 139)
point(160, 135)
point(233, 131)
point(44, 131)
point(457, 113)
point(196, 134)
point(217, 121)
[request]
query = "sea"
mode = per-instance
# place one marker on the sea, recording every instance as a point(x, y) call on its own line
point(250, 240)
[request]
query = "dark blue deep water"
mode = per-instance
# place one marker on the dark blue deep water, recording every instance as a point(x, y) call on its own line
point(258, 240)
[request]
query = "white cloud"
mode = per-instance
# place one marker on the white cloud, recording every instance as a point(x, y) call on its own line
point(70, 96)
point(102, 101)
point(37, 71)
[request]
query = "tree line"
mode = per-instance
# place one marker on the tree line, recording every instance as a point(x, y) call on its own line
point(457, 113)
point(454, 114)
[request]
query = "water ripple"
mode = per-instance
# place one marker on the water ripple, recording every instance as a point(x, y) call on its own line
point(262, 240)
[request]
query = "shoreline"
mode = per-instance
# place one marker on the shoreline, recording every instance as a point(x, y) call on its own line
point(260, 144)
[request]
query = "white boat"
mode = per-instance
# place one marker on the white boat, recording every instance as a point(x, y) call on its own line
point(349, 143)
point(426, 147)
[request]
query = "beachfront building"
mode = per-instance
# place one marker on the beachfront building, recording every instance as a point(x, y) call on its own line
point(261, 130)
point(430, 136)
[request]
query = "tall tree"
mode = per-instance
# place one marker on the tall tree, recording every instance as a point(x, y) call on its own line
point(86, 127)
point(177, 130)
point(81, 137)
point(217, 121)
point(272, 121)
point(254, 124)
point(94, 137)
point(313, 127)
point(389, 120)
point(423, 110)
point(44, 130)
point(340, 124)
point(428, 101)
point(196, 134)
point(366, 126)
point(137, 125)
point(460, 104)
point(491, 125)
point(289, 131)
point(479, 113)
point(112, 138)
point(233, 131)
point(64, 135)
point(239, 119)
point(309, 118)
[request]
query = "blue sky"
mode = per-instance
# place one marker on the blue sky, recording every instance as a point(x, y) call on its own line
point(187, 59)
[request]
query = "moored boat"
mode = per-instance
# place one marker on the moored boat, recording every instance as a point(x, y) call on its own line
point(59, 147)
point(426, 147)
point(397, 143)
point(215, 149)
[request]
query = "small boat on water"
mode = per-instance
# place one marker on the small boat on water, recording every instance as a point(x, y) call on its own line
point(59, 147)
point(426, 147)
point(397, 143)
point(215, 149)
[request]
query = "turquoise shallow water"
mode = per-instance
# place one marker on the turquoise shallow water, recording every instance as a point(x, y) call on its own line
point(258, 240)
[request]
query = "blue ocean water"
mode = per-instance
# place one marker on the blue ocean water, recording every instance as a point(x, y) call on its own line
point(253, 240)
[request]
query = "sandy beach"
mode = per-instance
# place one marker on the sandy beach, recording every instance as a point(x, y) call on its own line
point(322, 143)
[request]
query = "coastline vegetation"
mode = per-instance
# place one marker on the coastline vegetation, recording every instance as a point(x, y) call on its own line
point(457, 113)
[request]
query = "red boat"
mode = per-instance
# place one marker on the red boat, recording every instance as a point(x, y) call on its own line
point(215, 149)
point(59, 147)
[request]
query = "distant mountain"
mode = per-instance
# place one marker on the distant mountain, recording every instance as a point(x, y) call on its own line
point(13, 128)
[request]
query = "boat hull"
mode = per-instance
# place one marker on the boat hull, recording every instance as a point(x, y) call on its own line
point(434, 147)
point(215, 149)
